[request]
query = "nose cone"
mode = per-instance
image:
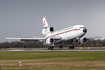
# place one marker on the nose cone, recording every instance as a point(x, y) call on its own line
point(84, 30)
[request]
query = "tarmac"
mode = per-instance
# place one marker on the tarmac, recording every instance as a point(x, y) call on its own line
point(52, 50)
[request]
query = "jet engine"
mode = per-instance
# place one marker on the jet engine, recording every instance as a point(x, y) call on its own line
point(50, 41)
point(81, 41)
point(47, 30)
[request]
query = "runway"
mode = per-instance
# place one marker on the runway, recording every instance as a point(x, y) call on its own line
point(53, 50)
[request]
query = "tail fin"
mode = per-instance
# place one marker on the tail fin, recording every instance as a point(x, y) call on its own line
point(45, 22)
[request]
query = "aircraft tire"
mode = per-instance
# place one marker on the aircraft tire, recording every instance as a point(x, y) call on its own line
point(71, 47)
point(50, 47)
point(60, 47)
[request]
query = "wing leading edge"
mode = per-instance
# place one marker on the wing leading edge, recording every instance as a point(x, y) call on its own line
point(27, 38)
point(93, 37)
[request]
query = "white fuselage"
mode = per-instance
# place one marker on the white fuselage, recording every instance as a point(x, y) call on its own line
point(69, 32)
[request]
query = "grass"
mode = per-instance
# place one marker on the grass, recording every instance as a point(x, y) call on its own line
point(53, 60)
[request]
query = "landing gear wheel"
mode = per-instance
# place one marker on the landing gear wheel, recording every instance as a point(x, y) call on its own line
point(50, 47)
point(60, 47)
point(71, 47)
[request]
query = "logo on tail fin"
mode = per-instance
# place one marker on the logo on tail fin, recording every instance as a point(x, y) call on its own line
point(44, 22)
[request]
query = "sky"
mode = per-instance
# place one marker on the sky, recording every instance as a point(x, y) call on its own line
point(24, 17)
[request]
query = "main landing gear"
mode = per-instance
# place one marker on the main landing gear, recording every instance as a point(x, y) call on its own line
point(50, 47)
point(71, 47)
point(60, 47)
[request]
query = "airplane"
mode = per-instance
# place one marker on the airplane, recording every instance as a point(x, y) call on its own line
point(66, 35)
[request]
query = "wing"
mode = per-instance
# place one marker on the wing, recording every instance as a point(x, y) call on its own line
point(27, 38)
point(30, 38)
point(71, 40)
point(59, 41)
point(93, 37)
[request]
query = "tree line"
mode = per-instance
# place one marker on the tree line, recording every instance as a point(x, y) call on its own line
point(38, 44)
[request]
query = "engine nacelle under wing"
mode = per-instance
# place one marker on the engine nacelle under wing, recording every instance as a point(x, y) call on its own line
point(50, 41)
point(47, 30)
point(81, 41)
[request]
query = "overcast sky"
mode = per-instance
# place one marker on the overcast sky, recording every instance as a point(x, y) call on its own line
point(24, 17)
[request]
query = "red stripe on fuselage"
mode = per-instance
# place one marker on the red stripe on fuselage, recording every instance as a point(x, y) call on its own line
point(63, 32)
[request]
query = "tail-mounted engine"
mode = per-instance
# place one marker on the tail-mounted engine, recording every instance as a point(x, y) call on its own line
point(50, 41)
point(47, 30)
point(81, 41)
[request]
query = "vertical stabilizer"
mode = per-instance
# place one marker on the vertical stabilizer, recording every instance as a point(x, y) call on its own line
point(45, 22)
